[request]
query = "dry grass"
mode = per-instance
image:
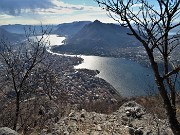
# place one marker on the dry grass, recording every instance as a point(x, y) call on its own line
point(42, 113)
point(103, 106)
point(153, 105)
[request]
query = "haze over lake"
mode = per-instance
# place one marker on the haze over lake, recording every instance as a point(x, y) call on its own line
point(127, 77)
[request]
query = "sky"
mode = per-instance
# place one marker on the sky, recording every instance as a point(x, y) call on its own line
point(53, 11)
point(50, 11)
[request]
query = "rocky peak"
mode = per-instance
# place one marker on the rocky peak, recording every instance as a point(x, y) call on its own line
point(130, 119)
point(97, 22)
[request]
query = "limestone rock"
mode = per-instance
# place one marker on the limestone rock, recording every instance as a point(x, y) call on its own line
point(130, 119)
point(132, 109)
point(7, 131)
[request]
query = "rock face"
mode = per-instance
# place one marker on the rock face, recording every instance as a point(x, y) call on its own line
point(7, 131)
point(130, 119)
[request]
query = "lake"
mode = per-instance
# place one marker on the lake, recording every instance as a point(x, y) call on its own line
point(127, 77)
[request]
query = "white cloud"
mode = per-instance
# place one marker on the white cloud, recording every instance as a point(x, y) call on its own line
point(19, 7)
point(4, 16)
point(63, 8)
point(57, 12)
point(137, 5)
point(16, 7)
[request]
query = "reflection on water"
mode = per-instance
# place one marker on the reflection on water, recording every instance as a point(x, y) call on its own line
point(56, 40)
point(53, 39)
point(128, 77)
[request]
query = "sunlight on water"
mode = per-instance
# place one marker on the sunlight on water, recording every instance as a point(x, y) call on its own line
point(128, 77)
point(54, 39)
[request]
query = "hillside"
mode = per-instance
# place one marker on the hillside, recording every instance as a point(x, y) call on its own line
point(12, 37)
point(99, 38)
point(15, 28)
point(69, 29)
point(20, 28)
point(130, 119)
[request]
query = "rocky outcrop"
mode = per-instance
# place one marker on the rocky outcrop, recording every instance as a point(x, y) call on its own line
point(130, 119)
point(7, 131)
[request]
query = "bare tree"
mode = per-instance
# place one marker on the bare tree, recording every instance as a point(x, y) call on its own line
point(19, 65)
point(151, 23)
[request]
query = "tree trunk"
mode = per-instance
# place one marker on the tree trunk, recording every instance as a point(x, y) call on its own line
point(174, 124)
point(170, 110)
point(168, 80)
point(17, 110)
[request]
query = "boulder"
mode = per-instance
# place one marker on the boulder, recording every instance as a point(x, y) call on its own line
point(132, 109)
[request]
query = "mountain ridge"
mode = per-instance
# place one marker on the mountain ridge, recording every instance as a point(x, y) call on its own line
point(12, 37)
point(69, 29)
point(98, 38)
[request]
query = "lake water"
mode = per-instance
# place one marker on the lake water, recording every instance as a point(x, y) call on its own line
point(56, 40)
point(127, 77)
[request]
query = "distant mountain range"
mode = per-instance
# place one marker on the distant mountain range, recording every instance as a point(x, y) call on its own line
point(84, 37)
point(12, 37)
point(69, 29)
point(98, 38)
point(64, 29)
point(15, 28)
point(20, 28)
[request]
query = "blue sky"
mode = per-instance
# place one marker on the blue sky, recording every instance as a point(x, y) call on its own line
point(50, 11)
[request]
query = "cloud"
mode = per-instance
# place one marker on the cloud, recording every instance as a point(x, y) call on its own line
point(137, 5)
point(48, 12)
point(76, 8)
point(62, 8)
point(16, 7)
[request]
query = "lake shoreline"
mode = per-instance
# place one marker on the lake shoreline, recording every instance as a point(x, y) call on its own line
point(136, 54)
point(99, 75)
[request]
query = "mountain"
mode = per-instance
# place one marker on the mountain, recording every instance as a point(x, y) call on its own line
point(12, 37)
point(20, 28)
point(99, 38)
point(69, 29)
point(15, 28)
